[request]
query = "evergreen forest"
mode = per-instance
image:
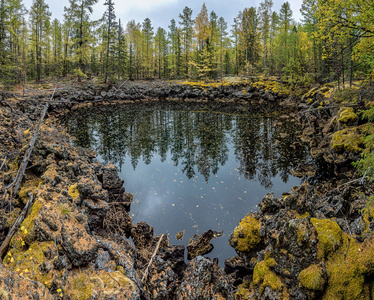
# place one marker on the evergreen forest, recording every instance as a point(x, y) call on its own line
point(332, 42)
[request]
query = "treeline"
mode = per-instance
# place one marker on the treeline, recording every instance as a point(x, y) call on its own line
point(333, 41)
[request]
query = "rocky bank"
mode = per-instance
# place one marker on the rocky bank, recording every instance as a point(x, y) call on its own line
point(316, 241)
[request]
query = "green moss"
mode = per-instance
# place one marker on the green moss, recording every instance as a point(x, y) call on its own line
point(312, 278)
point(12, 217)
point(85, 284)
point(27, 263)
point(246, 235)
point(29, 187)
point(348, 270)
point(348, 139)
point(243, 291)
point(347, 115)
point(368, 214)
point(26, 233)
point(74, 192)
point(265, 277)
point(329, 236)
point(79, 287)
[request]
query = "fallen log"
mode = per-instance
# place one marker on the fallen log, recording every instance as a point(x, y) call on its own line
point(15, 226)
point(21, 171)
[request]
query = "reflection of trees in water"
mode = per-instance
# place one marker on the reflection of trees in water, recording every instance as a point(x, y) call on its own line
point(197, 141)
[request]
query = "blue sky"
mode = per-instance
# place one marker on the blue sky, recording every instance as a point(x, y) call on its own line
point(162, 11)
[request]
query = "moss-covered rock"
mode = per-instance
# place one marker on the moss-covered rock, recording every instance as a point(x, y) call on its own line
point(79, 287)
point(348, 270)
point(348, 139)
point(27, 263)
point(74, 192)
point(347, 116)
point(246, 235)
point(329, 236)
point(26, 234)
point(263, 277)
point(312, 278)
point(243, 292)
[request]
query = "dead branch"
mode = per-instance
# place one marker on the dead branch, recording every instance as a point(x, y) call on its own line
point(326, 107)
point(2, 165)
point(114, 203)
point(21, 171)
point(15, 226)
point(153, 255)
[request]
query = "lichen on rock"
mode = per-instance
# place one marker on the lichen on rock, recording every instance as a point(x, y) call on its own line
point(246, 235)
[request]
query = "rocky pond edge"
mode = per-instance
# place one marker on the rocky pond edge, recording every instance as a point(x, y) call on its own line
point(315, 241)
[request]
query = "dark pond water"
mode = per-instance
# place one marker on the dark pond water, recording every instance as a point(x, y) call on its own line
point(194, 168)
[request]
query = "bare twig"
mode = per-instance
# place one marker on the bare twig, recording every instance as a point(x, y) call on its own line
point(2, 165)
point(153, 255)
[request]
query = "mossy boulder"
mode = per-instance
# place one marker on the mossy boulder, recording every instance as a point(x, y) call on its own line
point(312, 278)
point(329, 236)
point(347, 116)
point(246, 235)
point(349, 270)
point(348, 139)
point(264, 276)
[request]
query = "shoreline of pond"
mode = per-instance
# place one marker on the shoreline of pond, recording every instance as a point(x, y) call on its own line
point(74, 185)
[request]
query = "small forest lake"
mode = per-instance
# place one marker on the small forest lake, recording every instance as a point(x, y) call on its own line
point(193, 167)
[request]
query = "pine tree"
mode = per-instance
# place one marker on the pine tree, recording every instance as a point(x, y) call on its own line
point(39, 18)
point(265, 12)
point(110, 22)
point(121, 52)
point(161, 44)
point(147, 32)
point(186, 24)
point(223, 44)
point(12, 24)
point(78, 15)
point(175, 49)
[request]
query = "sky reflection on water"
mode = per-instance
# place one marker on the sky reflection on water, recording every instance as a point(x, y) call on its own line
point(194, 168)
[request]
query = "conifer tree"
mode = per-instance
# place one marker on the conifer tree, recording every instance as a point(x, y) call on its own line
point(78, 15)
point(39, 19)
point(110, 22)
point(147, 33)
point(186, 24)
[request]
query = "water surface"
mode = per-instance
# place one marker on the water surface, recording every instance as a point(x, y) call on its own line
point(193, 168)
